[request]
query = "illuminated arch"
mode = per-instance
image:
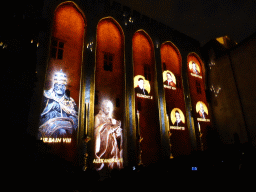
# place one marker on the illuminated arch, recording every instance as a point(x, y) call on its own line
point(195, 57)
point(110, 78)
point(196, 78)
point(142, 43)
point(69, 18)
point(174, 99)
point(69, 27)
point(146, 108)
point(72, 4)
point(66, 58)
point(171, 57)
point(143, 32)
point(113, 21)
point(109, 38)
point(110, 50)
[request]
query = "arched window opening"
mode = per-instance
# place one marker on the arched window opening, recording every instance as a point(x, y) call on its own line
point(147, 72)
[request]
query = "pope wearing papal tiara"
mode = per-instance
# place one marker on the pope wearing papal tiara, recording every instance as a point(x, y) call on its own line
point(59, 116)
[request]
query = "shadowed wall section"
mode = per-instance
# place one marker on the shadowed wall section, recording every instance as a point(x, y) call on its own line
point(60, 114)
point(200, 108)
point(175, 104)
point(109, 86)
point(146, 101)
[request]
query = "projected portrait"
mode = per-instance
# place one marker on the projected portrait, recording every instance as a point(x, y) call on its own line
point(202, 111)
point(59, 116)
point(177, 119)
point(194, 69)
point(169, 80)
point(108, 138)
point(142, 87)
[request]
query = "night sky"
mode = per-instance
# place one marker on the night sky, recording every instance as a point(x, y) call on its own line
point(202, 20)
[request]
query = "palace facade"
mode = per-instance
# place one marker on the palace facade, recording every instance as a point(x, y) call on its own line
point(116, 88)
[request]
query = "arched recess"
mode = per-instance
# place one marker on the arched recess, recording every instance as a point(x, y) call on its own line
point(109, 92)
point(174, 95)
point(61, 101)
point(146, 108)
point(200, 108)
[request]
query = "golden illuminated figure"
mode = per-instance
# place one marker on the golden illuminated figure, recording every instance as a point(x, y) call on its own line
point(142, 87)
point(194, 69)
point(108, 138)
point(169, 79)
point(201, 109)
point(177, 117)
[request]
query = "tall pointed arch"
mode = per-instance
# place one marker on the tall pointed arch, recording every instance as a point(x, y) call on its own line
point(60, 108)
point(147, 112)
point(200, 108)
point(110, 95)
point(174, 98)
point(171, 57)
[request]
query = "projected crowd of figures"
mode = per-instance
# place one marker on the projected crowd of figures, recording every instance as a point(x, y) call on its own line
point(59, 118)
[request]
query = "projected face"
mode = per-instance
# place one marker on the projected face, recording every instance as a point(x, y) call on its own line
point(169, 80)
point(142, 86)
point(177, 117)
point(194, 66)
point(141, 83)
point(59, 89)
point(107, 107)
point(194, 69)
point(201, 107)
point(59, 83)
point(169, 76)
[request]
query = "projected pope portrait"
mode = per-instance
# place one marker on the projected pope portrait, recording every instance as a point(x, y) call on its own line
point(194, 68)
point(177, 117)
point(108, 137)
point(141, 85)
point(201, 109)
point(59, 115)
point(169, 79)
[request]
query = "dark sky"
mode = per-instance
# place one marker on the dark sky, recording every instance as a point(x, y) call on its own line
point(202, 19)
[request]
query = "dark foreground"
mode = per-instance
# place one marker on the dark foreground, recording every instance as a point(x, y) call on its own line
point(34, 170)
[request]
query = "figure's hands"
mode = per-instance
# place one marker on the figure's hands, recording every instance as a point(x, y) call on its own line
point(118, 132)
point(113, 121)
point(118, 123)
